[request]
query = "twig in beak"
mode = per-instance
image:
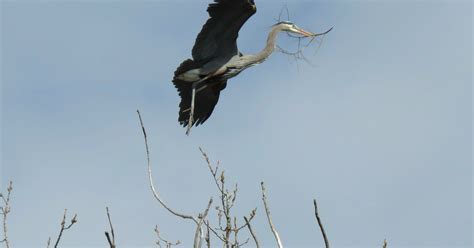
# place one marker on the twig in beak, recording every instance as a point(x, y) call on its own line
point(323, 33)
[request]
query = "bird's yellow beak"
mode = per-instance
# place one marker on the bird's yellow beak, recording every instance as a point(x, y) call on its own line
point(301, 31)
point(305, 33)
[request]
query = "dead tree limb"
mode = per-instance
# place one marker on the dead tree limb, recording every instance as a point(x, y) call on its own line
point(321, 227)
point(64, 227)
point(270, 222)
point(5, 210)
point(110, 238)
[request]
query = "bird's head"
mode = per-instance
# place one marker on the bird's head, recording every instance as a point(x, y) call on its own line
point(292, 28)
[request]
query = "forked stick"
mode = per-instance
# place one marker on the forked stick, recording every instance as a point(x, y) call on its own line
point(64, 227)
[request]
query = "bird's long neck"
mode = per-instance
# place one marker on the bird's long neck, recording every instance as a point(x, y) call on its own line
point(268, 50)
point(271, 40)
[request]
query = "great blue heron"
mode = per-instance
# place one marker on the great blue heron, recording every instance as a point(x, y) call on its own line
point(217, 59)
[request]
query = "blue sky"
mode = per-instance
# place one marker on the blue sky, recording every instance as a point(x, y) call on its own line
point(378, 129)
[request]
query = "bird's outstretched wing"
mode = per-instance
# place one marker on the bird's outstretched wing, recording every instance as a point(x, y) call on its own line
point(205, 100)
point(218, 37)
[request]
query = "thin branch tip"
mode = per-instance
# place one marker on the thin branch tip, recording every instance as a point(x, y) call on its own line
point(270, 222)
point(320, 224)
point(64, 227)
point(110, 238)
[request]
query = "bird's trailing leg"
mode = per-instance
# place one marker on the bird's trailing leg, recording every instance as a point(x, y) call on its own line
point(193, 96)
point(191, 114)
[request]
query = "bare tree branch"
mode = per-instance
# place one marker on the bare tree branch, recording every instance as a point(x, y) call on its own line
point(202, 217)
point(110, 240)
point(212, 170)
point(155, 192)
point(168, 244)
point(270, 222)
point(208, 236)
point(150, 177)
point(5, 210)
point(213, 231)
point(228, 198)
point(64, 227)
point(227, 203)
point(254, 236)
point(316, 213)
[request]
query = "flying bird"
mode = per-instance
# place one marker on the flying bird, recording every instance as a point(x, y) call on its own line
point(216, 58)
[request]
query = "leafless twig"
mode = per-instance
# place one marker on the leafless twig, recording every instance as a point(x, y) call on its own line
point(299, 53)
point(270, 222)
point(254, 236)
point(285, 8)
point(208, 236)
point(168, 244)
point(64, 227)
point(202, 218)
point(110, 240)
point(214, 172)
point(251, 216)
point(155, 192)
point(227, 199)
point(227, 224)
point(316, 213)
point(150, 177)
point(4, 210)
